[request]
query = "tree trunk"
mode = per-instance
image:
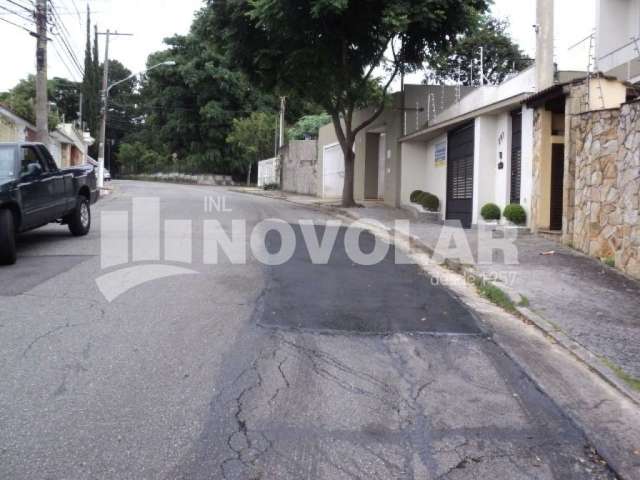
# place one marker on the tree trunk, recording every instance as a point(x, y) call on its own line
point(249, 175)
point(349, 170)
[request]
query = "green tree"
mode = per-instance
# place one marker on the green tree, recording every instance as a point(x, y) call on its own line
point(21, 99)
point(253, 140)
point(91, 83)
point(66, 96)
point(308, 127)
point(189, 109)
point(460, 62)
point(333, 51)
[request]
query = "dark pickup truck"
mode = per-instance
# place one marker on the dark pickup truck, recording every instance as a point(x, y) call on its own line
point(35, 192)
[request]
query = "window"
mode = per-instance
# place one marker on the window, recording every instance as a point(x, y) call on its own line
point(29, 156)
point(7, 165)
point(440, 156)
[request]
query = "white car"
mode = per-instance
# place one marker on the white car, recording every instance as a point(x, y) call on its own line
point(107, 175)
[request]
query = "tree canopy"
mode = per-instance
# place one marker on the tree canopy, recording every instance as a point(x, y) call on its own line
point(64, 93)
point(342, 55)
point(252, 139)
point(460, 62)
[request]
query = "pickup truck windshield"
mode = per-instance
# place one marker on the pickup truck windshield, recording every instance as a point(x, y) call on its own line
point(7, 162)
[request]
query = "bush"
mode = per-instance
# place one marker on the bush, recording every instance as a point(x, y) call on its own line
point(271, 186)
point(415, 195)
point(515, 214)
point(490, 212)
point(430, 202)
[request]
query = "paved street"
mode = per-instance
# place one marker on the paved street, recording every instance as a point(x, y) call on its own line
point(262, 372)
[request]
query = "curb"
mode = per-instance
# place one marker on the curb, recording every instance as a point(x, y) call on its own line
point(553, 333)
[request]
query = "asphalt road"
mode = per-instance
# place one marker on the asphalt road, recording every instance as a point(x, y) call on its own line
point(296, 371)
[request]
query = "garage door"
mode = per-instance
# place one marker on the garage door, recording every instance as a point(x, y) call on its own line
point(460, 175)
point(333, 171)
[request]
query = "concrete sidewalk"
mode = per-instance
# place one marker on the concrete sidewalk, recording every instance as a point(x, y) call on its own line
point(580, 303)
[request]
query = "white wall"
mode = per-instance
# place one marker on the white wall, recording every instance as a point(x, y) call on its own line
point(526, 189)
point(267, 172)
point(437, 175)
point(502, 184)
point(484, 163)
point(414, 169)
point(617, 22)
point(420, 172)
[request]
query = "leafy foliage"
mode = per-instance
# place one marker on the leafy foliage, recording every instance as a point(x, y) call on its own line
point(328, 50)
point(188, 110)
point(307, 127)
point(491, 211)
point(91, 85)
point(515, 214)
point(428, 201)
point(460, 62)
point(64, 93)
point(252, 139)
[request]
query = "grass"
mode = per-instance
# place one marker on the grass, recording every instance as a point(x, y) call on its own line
point(630, 380)
point(609, 262)
point(524, 301)
point(495, 295)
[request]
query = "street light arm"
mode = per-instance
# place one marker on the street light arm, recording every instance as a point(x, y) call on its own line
point(168, 63)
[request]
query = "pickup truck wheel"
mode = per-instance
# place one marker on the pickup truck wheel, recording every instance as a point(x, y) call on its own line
point(80, 219)
point(7, 238)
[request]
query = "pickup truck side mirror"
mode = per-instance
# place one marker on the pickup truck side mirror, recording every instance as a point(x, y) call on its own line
point(33, 170)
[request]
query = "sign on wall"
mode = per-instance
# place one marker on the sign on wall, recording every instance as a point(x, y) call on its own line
point(440, 156)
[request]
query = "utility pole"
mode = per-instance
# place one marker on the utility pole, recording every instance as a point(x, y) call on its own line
point(104, 105)
point(283, 106)
point(42, 100)
point(544, 44)
point(80, 112)
point(481, 66)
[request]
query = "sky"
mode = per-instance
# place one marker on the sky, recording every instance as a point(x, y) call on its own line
point(153, 20)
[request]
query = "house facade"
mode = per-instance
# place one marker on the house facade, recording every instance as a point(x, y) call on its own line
point(378, 151)
point(14, 128)
point(67, 144)
point(475, 152)
point(618, 39)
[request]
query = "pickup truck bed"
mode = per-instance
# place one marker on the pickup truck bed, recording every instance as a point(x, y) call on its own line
point(35, 192)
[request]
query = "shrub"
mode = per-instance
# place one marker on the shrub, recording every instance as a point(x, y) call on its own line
point(271, 186)
point(515, 214)
point(430, 202)
point(490, 212)
point(415, 195)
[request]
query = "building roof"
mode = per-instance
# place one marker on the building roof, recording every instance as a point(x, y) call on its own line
point(6, 112)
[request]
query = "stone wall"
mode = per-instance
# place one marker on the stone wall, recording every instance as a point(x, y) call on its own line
point(299, 160)
point(604, 171)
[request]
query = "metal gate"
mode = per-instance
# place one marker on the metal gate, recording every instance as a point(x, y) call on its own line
point(460, 175)
point(516, 156)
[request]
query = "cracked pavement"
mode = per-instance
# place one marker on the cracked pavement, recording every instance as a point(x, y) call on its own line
point(195, 377)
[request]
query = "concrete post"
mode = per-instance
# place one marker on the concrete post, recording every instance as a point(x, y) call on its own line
point(545, 69)
point(42, 101)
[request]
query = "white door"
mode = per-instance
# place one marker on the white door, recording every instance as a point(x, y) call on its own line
point(333, 171)
point(382, 164)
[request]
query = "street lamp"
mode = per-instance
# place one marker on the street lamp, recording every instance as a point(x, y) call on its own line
point(103, 126)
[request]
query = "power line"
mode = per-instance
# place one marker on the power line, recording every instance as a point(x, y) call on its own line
point(29, 10)
point(63, 35)
point(19, 26)
point(18, 14)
